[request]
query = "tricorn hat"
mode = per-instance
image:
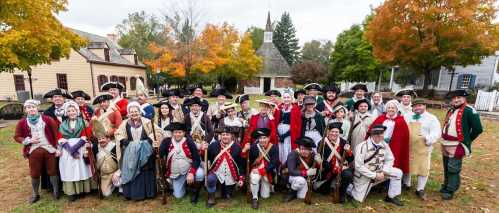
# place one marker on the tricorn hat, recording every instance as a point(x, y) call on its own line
point(335, 125)
point(112, 84)
point(273, 92)
point(403, 92)
point(306, 142)
point(176, 126)
point(58, 91)
point(357, 104)
point(196, 86)
point(161, 103)
point(220, 91)
point(227, 129)
point(80, 93)
point(377, 129)
point(173, 92)
point(311, 86)
point(459, 92)
point(193, 100)
point(261, 132)
point(332, 88)
point(359, 86)
point(102, 97)
point(299, 91)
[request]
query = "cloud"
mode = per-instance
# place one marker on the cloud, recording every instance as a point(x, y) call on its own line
point(313, 19)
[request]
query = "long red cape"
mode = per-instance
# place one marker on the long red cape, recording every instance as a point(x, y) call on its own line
point(295, 126)
point(399, 143)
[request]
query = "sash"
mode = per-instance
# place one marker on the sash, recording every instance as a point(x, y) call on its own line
point(334, 150)
point(220, 155)
point(196, 123)
point(358, 123)
point(263, 154)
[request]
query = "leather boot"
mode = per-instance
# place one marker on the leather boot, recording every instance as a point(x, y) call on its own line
point(35, 185)
point(211, 200)
point(196, 188)
point(254, 203)
point(54, 180)
point(228, 192)
point(291, 196)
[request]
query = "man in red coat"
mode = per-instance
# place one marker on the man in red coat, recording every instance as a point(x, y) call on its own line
point(37, 133)
point(115, 89)
point(287, 118)
point(396, 135)
point(263, 119)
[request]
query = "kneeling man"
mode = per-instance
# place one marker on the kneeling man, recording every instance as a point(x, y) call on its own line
point(182, 162)
point(373, 165)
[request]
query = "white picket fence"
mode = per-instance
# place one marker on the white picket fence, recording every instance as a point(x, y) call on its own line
point(487, 101)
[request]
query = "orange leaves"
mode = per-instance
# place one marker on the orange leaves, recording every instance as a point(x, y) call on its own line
point(218, 47)
point(433, 33)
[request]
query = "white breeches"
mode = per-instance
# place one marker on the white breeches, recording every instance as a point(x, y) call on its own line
point(299, 184)
point(259, 184)
point(421, 181)
point(361, 185)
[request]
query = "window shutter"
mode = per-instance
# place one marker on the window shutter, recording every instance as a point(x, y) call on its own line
point(472, 81)
point(459, 82)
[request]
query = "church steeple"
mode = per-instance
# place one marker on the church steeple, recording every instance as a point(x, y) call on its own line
point(267, 35)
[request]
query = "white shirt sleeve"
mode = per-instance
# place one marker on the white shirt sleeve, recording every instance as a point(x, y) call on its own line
point(434, 130)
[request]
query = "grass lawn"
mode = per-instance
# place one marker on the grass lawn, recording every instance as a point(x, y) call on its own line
point(478, 192)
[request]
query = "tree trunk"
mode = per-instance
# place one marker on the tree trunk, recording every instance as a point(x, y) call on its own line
point(427, 80)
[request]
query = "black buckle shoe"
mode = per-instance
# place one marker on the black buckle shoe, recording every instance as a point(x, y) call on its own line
point(34, 199)
point(72, 198)
point(447, 196)
point(291, 196)
point(422, 195)
point(211, 200)
point(394, 200)
point(254, 204)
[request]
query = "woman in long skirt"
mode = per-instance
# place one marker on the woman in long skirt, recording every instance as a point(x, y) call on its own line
point(135, 141)
point(75, 165)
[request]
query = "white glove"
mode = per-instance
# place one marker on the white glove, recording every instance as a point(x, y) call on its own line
point(318, 159)
point(311, 172)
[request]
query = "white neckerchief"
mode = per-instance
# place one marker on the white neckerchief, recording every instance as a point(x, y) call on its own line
point(196, 122)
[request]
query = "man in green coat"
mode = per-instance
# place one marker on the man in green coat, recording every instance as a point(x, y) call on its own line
point(461, 127)
point(360, 91)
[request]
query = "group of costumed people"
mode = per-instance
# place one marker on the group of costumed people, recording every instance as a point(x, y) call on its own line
point(299, 141)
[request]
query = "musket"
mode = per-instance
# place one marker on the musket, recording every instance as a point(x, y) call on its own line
point(97, 173)
point(160, 172)
point(248, 188)
point(336, 194)
point(308, 195)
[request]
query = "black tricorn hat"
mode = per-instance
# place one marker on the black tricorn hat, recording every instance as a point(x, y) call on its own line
point(315, 86)
point(176, 126)
point(196, 86)
point(306, 142)
point(377, 129)
point(273, 92)
point(403, 92)
point(359, 86)
point(173, 92)
point(112, 84)
point(242, 98)
point(80, 93)
point(58, 91)
point(335, 125)
point(193, 100)
point(161, 103)
point(357, 104)
point(332, 88)
point(459, 92)
point(103, 97)
point(261, 132)
point(220, 91)
point(299, 91)
point(227, 129)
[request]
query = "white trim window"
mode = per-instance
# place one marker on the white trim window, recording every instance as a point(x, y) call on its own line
point(465, 83)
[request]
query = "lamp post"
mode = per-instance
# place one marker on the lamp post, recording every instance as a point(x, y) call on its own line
point(391, 76)
point(30, 83)
point(157, 83)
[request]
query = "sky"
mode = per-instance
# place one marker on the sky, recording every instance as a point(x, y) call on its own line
point(313, 19)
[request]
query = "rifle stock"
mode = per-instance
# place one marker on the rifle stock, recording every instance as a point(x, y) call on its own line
point(308, 195)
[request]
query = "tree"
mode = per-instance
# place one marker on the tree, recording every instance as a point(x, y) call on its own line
point(30, 34)
point(428, 35)
point(256, 36)
point(317, 51)
point(285, 40)
point(138, 30)
point(308, 71)
point(352, 58)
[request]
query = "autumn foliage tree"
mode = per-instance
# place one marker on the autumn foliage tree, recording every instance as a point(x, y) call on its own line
point(30, 34)
point(427, 35)
point(218, 51)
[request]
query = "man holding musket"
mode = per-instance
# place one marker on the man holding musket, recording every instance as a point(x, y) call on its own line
point(373, 165)
point(263, 160)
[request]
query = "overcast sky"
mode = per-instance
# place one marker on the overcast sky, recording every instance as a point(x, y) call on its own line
point(313, 19)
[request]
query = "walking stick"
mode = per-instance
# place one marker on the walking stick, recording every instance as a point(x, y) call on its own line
point(94, 159)
point(248, 189)
point(160, 172)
